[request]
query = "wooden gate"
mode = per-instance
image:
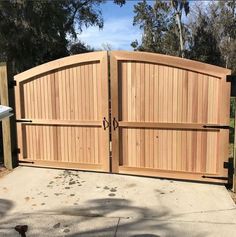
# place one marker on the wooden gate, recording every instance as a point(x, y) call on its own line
point(62, 113)
point(170, 117)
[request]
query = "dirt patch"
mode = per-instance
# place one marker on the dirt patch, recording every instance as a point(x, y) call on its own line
point(3, 171)
point(233, 196)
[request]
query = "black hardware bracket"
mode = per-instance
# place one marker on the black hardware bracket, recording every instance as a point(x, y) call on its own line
point(16, 151)
point(215, 126)
point(214, 177)
point(24, 121)
point(27, 162)
point(230, 166)
point(227, 165)
point(232, 80)
point(11, 84)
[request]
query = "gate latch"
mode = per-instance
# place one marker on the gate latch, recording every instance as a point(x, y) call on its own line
point(115, 124)
point(105, 123)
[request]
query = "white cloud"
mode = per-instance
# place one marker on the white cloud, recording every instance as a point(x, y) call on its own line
point(118, 32)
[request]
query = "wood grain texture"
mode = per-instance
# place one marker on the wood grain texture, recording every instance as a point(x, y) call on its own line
point(61, 106)
point(6, 128)
point(162, 104)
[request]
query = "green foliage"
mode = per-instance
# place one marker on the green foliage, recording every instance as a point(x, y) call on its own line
point(34, 32)
point(79, 47)
point(203, 44)
point(209, 36)
point(214, 34)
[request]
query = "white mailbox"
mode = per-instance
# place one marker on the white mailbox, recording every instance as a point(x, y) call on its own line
point(5, 112)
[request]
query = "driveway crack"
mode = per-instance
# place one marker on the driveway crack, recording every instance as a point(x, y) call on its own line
point(118, 222)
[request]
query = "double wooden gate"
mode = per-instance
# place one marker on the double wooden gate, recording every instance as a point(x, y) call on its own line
point(169, 116)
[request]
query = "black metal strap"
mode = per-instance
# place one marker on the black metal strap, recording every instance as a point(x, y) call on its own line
point(24, 121)
point(215, 126)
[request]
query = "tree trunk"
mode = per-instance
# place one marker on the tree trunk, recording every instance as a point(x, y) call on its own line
point(181, 41)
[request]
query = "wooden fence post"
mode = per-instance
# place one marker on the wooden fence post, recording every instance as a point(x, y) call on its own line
point(6, 130)
point(234, 176)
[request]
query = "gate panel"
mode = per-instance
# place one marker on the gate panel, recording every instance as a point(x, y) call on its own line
point(168, 117)
point(61, 108)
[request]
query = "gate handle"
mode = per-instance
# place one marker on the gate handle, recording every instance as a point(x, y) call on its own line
point(105, 123)
point(115, 124)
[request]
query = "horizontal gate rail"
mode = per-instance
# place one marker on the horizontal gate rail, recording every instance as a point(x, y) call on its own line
point(178, 175)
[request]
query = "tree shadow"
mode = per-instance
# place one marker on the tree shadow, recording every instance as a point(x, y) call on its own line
point(81, 221)
point(5, 207)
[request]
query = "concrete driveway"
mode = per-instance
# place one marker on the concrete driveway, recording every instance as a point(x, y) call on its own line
point(74, 203)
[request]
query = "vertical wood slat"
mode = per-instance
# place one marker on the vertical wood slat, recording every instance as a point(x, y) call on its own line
point(6, 130)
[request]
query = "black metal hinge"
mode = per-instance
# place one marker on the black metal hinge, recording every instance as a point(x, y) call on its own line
point(11, 84)
point(231, 78)
point(218, 127)
point(26, 162)
point(16, 151)
point(214, 177)
point(230, 166)
point(24, 121)
point(227, 165)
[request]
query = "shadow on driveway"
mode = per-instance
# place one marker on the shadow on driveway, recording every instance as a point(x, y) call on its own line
point(83, 221)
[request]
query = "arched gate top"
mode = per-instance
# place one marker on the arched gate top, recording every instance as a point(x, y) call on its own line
point(171, 61)
point(125, 56)
point(61, 63)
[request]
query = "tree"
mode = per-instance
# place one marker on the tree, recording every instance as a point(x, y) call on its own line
point(160, 26)
point(154, 22)
point(179, 6)
point(34, 32)
point(79, 47)
point(225, 27)
point(213, 34)
point(203, 45)
point(106, 46)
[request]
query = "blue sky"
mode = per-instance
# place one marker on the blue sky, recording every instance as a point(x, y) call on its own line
point(118, 29)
